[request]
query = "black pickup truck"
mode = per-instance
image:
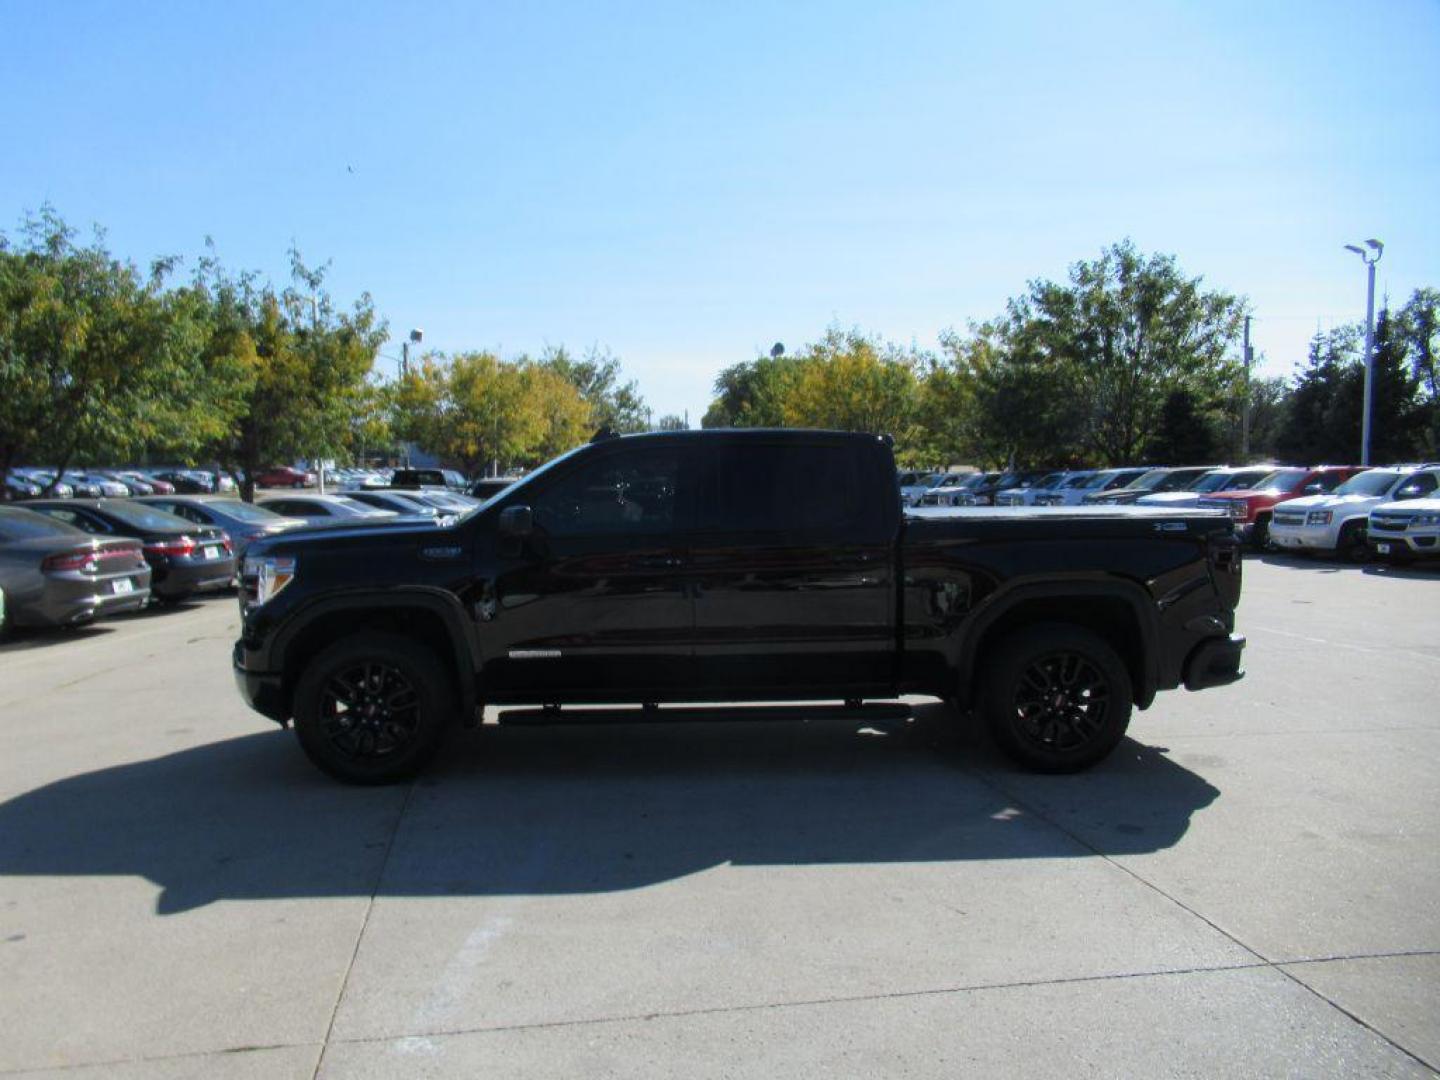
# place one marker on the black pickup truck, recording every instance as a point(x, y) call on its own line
point(725, 566)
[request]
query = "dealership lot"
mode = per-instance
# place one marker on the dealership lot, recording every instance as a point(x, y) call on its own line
point(1250, 886)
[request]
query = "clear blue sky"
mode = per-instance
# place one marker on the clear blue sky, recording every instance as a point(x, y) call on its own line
point(687, 183)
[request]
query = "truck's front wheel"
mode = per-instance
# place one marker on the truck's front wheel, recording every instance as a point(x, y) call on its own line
point(373, 708)
point(1056, 698)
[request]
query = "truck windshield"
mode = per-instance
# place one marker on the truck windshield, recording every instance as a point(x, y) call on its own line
point(1282, 479)
point(524, 482)
point(1374, 482)
point(1147, 481)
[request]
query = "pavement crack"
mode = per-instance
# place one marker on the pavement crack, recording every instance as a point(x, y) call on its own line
point(364, 925)
point(150, 1059)
point(803, 1003)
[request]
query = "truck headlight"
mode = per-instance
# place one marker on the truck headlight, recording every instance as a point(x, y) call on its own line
point(1238, 510)
point(262, 578)
point(1319, 517)
point(1425, 519)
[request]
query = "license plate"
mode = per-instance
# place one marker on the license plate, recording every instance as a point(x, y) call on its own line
point(212, 552)
point(1384, 549)
point(122, 585)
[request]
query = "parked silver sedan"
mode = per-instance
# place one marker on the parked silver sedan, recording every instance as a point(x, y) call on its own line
point(323, 508)
point(55, 575)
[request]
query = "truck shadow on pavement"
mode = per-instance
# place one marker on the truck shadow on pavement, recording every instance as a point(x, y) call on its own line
point(563, 810)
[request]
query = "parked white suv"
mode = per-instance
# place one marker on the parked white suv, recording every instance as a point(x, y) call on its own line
point(1336, 523)
point(1406, 529)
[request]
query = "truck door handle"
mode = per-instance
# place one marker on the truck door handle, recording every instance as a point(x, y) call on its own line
point(657, 562)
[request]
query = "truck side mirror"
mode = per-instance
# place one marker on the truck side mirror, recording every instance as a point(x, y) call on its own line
point(517, 522)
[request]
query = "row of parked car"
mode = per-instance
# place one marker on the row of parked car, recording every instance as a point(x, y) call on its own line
point(33, 482)
point(1392, 511)
point(69, 561)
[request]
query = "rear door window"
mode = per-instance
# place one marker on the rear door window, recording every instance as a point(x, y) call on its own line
point(759, 487)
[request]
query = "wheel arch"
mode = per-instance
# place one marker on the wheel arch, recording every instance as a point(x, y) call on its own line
point(1121, 613)
point(432, 618)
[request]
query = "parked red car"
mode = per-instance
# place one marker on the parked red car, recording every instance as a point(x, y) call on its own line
point(284, 476)
point(1251, 508)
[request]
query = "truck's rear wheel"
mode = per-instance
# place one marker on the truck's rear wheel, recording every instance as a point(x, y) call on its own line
point(373, 708)
point(1056, 698)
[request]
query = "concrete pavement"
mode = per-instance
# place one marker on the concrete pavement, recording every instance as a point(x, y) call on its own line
point(1248, 887)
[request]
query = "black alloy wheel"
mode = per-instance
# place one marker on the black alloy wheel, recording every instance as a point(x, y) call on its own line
point(373, 708)
point(369, 710)
point(1056, 697)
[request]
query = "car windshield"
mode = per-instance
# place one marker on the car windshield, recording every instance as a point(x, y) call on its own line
point(1083, 480)
point(1374, 482)
point(28, 525)
point(1282, 479)
point(1099, 480)
point(243, 511)
point(1147, 481)
point(145, 517)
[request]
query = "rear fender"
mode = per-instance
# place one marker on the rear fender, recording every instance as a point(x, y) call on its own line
point(1121, 611)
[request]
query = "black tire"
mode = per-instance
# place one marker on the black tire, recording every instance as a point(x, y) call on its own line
point(1351, 545)
point(373, 708)
point(1056, 698)
point(1260, 534)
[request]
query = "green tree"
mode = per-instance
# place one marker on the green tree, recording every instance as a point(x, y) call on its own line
point(1130, 329)
point(98, 361)
point(1186, 434)
point(849, 382)
point(475, 409)
point(752, 393)
point(614, 403)
point(1323, 411)
point(1418, 325)
point(1025, 407)
point(309, 362)
point(671, 422)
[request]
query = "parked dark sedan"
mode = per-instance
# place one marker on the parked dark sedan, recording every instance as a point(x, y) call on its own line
point(243, 522)
point(56, 575)
point(186, 482)
point(186, 558)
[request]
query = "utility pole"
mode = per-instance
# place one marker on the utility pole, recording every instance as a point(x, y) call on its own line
point(1376, 250)
point(1249, 355)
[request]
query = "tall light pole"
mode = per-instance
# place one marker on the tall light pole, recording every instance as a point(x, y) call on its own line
point(1369, 258)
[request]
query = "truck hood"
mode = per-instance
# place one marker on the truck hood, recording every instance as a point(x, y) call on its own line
point(1418, 506)
point(1331, 502)
point(297, 540)
point(1171, 498)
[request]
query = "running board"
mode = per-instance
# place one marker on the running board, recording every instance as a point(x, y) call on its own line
point(690, 714)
